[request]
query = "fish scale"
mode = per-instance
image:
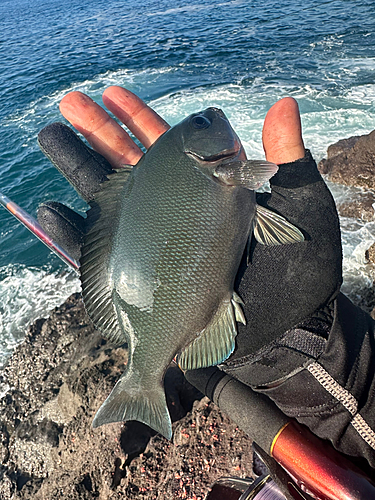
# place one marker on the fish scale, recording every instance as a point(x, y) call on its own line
point(159, 263)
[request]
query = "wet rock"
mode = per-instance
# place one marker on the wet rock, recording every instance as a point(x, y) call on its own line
point(52, 387)
point(360, 208)
point(351, 162)
point(370, 253)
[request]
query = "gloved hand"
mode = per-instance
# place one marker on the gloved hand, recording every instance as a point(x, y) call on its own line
point(298, 279)
point(298, 345)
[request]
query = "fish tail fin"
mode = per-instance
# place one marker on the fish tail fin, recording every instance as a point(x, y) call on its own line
point(129, 401)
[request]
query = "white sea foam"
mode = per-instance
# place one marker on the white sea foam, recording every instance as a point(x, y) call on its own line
point(27, 294)
point(362, 94)
point(359, 274)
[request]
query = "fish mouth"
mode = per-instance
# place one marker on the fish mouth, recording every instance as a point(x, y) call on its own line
point(213, 158)
point(217, 158)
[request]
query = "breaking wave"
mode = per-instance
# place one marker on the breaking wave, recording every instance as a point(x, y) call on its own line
point(29, 293)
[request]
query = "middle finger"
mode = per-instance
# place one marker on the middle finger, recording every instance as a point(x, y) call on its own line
point(104, 134)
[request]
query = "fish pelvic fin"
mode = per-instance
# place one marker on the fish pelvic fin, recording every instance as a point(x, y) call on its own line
point(217, 341)
point(272, 229)
point(129, 401)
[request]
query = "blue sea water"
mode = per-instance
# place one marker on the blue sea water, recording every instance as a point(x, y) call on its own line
point(240, 55)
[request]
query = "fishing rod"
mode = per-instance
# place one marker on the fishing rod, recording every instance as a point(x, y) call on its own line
point(33, 225)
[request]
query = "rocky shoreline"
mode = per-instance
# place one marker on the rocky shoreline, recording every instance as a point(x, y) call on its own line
point(55, 382)
point(58, 377)
point(351, 162)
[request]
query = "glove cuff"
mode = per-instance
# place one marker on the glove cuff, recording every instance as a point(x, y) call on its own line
point(296, 174)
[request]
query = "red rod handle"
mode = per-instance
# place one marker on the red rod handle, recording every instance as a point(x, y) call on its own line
point(317, 468)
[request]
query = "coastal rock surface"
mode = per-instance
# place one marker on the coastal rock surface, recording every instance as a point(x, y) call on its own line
point(51, 389)
point(351, 161)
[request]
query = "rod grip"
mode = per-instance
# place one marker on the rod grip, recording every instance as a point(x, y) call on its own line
point(253, 412)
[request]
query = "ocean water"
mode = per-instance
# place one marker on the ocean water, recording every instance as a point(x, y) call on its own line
point(240, 55)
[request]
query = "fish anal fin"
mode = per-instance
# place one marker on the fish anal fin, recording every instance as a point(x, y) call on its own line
point(217, 341)
point(129, 401)
point(250, 174)
point(272, 229)
point(96, 288)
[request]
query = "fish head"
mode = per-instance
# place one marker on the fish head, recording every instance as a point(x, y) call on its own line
point(209, 139)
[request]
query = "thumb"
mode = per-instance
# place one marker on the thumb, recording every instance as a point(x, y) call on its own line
point(282, 133)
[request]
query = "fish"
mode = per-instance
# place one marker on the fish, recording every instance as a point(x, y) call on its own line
point(158, 264)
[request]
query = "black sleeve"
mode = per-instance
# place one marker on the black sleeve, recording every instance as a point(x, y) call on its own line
point(327, 384)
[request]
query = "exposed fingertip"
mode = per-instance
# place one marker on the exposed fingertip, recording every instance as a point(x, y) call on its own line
point(84, 114)
point(282, 132)
point(73, 99)
point(115, 90)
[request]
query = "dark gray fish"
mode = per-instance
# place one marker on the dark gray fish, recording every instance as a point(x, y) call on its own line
point(158, 266)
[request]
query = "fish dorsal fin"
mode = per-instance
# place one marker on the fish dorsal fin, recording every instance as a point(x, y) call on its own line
point(217, 341)
point(272, 229)
point(96, 289)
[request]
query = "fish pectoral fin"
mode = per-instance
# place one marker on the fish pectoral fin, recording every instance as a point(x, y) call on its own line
point(250, 174)
point(128, 401)
point(272, 229)
point(217, 341)
point(96, 289)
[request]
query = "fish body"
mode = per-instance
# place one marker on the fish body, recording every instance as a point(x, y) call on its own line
point(159, 264)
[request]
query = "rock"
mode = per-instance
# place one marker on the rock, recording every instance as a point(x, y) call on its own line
point(360, 208)
point(370, 253)
point(351, 162)
point(51, 388)
point(342, 146)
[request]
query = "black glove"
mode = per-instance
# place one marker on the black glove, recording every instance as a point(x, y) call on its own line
point(298, 346)
point(85, 169)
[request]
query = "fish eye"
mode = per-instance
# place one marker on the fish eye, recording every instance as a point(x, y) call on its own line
point(200, 122)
